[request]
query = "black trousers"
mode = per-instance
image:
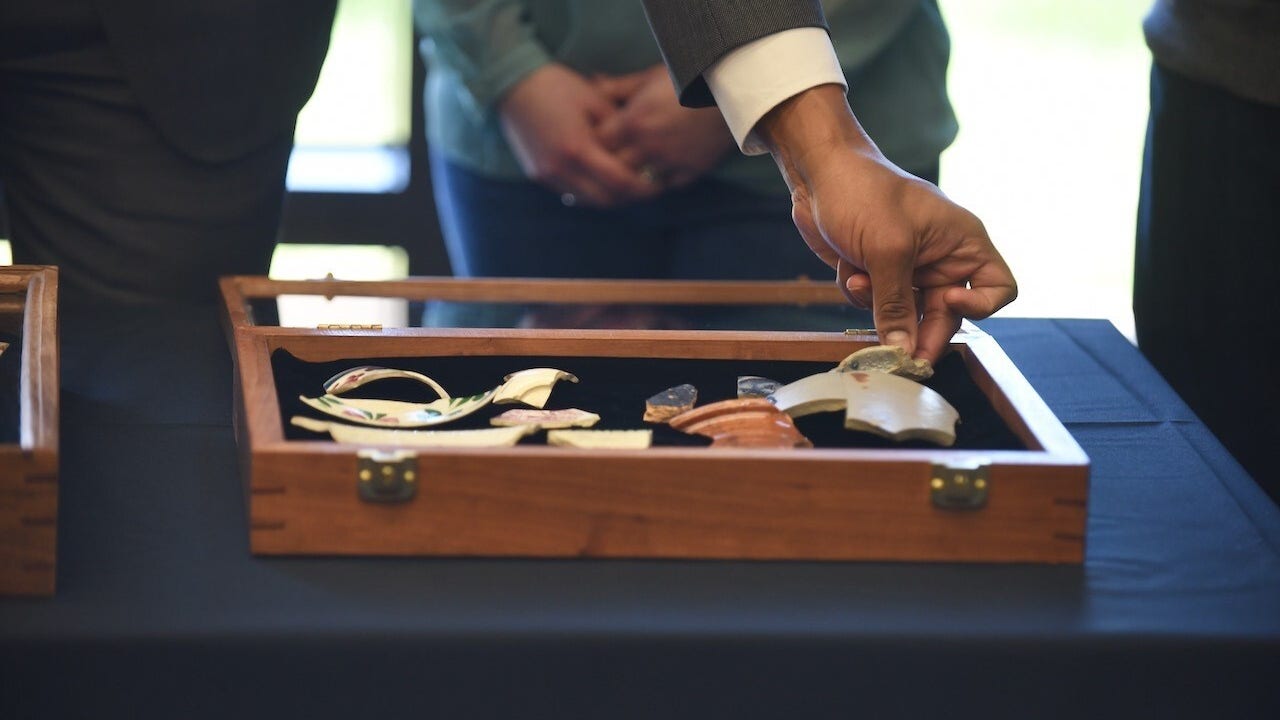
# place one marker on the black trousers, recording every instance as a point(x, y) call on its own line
point(93, 186)
point(1206, 302)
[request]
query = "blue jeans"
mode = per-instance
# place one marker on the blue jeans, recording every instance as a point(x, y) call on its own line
point(707, 230)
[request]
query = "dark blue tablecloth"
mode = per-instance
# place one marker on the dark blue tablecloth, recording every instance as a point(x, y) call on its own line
point(162, 611)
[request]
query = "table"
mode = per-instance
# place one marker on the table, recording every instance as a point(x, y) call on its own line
point(162, 611)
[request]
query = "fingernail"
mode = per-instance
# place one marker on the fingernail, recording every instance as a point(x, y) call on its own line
point(897, 337)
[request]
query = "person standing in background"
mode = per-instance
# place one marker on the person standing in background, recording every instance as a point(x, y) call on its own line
point(1208, 233)
point(559, 147)
point(143, 144)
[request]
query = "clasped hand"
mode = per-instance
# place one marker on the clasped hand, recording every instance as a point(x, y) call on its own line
point(609, 140)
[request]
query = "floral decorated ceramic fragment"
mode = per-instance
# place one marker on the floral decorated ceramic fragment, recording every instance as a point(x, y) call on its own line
point(397, 413)
point(889, 359)
point(348, 380)
point(745, 422)
point(531, 387)
point(546, 419)
point(670, 402)
point(875, 402)
point(392, 413)
point(487, 437)
point(601, 439)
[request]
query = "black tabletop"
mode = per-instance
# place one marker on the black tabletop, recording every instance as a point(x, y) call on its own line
point(162, 611)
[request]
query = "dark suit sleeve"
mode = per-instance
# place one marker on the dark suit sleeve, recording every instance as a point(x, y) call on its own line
point(693, 34)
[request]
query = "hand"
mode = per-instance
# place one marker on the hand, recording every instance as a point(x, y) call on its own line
point(652, 131)
point(899, 246)
point(550, 119)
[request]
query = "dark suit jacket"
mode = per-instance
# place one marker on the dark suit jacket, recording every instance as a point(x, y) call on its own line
point(220, 77)
point(693, 34)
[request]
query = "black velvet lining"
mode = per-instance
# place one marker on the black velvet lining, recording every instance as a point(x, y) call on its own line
point(616, 389)
point(10, 380)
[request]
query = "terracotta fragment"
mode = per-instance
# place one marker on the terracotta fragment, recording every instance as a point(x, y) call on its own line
point(669, 403)
point(889, 359)
point(750, 386)
point(745, 422)
point(546, 419)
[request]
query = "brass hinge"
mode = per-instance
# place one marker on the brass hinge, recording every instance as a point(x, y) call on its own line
point(349, 326)
point(386, 477)
point(960, 487)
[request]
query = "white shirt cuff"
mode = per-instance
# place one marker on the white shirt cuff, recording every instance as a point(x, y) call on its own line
point(752, 79)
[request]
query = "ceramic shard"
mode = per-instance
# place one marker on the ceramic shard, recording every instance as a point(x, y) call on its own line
point(547, 419)
point(745, 422)
point(349, 380)
point(488, 437)
point(3, 346)
point(754, 386)
point(531, 387)
point(670, 402)
point(876, 402)
point(889, 359)
point(601, 439)
point(397, 413)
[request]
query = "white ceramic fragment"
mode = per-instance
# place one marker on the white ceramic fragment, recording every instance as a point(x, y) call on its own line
point(547, 419)
point(597, 439)
point(397, 413)
point(531, 387)
point(348, 380)
point(875, 402)
point(889, 359)
point(487, 437)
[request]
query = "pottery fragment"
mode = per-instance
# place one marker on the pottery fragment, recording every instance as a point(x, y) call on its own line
point(670, 402)
point(742, 423)
point(754, 386)
point(601, 439)
point(546, 419)
point(531, 387)
point(876, 402)
point(487, 437)
point(391, 413)
point(349, 380)
point(889, 359)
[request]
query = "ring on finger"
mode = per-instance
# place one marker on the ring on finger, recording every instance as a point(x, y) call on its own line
point(568, 199)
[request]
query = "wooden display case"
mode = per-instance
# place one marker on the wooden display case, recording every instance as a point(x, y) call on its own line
point(28, 430)
point(1014, 490)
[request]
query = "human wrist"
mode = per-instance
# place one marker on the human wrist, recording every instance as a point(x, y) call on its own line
point(805, 130)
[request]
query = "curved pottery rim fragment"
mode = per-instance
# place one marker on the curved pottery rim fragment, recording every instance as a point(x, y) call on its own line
point(355, 377)
point(392, 413)
point(484, 437)
point(531, 386)
point(876, 402)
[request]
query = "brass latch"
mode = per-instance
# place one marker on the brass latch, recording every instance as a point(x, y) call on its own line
point(386, 477)
point(959, 487)
point(349, 326)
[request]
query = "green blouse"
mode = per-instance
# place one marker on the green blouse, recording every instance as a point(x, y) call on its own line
point(894, 54)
